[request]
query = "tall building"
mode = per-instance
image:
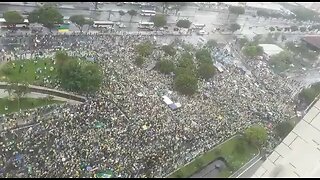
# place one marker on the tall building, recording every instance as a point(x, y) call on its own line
point(298, 155)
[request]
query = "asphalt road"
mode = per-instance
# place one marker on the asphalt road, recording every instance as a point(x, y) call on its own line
point(213, 18)
point(210, 171)
point(249, 172)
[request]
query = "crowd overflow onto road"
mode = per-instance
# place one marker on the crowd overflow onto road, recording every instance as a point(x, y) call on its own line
point(125, 127)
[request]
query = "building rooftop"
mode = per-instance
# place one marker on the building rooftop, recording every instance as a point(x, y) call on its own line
point(313, 40)
point(271, 49)
point(298, 155)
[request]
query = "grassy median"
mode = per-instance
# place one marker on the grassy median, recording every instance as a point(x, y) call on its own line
point(8, 106)
point(235, 151)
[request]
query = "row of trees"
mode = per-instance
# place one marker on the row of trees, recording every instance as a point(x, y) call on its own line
point(187, 72)
point(78, 76)
point(49, 16)
point(299, 13)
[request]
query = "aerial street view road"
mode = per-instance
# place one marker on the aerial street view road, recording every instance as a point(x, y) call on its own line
point(157, 89)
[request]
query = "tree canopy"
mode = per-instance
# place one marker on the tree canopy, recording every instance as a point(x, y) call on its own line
point(165, 66)
point(183, 23)
point(253, 51)
point(211, 43)
point(48, 16)
point(203, 56)
point(159, 20)
point(144, 49)
point(13, 17)
point(281, 61)
point(206, 70)
point(132, 13)
point(234, 27)
point(307, 95)
point(256, 135)
point(139, 60)
point(186, 83)
point(282, 129)
point(76, 75)
point(169, 50)
point(80, 21)
point(236, 9)
point(272, 29)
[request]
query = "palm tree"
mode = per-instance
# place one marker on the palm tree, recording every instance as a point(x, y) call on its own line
point(121, 13)
point(132, 13)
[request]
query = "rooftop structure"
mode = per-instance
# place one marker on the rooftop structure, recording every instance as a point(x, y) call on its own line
point(313, 41)
point(298, 155)
point(271, 49)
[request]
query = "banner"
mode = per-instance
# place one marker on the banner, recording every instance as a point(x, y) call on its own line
point(104, 174)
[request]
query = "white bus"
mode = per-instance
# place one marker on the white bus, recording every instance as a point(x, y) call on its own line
point(198, 26)
point(103, 24)
point(146, 25)
point(147, 13)
point(25, 24)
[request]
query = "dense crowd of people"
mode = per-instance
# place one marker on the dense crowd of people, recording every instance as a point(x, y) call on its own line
point(126, 127)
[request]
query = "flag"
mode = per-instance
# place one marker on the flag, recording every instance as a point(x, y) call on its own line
point(104, 174)
point(99, 124)
point(63, 28)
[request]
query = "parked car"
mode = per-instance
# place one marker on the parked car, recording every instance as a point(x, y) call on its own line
point(202, 32)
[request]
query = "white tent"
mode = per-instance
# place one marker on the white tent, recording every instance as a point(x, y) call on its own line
point(167, 100)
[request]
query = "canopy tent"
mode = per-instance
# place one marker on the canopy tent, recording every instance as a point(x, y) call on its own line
point(104, 174)
point(167, 100)
point(174, 106)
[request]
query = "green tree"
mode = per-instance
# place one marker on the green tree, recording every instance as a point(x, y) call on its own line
point(234, 27)
point(281, 62)
point(236, 10)
point(12, 18)
point(206, 70)
point(186, 83)
point(79, 21)
point(282, 129)
point(139, 60)
point(303, 29)
point(242, 42)
point(256, 135)
point(203, 56)
point(92, 78)
point(165, 66)
point(61, 58)
point(183, 23)
point(144, 49)
point(159, 20)
point(307, 95)
point(272, 29)
point(121, 13)
point(185, 64)
point(169, 49)
point(132, 13)
point(80, 77)
point(294, 28)
point(253, 51)
point(48, 16)
point(211, 43)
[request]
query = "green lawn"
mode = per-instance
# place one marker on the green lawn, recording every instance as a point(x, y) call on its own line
point(25, 103)
point(236, 152)
point(28, 73)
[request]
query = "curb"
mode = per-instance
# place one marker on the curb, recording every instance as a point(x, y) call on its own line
point(240, 171)
point(200, 154)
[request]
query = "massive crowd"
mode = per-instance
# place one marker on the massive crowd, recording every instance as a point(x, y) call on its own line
point(125, 126)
